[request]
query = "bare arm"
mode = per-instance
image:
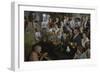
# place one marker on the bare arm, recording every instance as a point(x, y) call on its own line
point(44, 56)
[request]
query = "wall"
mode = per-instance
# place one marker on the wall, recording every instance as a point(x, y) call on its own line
point(5, 34)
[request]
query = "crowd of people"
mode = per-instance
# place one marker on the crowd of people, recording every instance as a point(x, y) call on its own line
point(57, 36)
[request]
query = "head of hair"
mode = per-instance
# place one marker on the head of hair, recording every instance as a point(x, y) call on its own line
point(77, 29)
point(34, 47)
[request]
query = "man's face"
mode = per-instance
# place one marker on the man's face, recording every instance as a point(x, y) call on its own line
point(84, 35)
point(57, 19)
point(75, 31)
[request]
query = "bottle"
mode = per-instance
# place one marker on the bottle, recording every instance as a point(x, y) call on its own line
point(68, 49)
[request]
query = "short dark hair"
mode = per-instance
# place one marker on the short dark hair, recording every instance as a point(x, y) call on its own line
point(76, 28)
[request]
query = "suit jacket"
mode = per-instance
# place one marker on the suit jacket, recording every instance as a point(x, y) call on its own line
point(77, 39)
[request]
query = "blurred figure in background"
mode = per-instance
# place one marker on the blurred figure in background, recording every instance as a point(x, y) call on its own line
point(86, 53)
point(37, 54)
point(77, 37)
point(72, 22)
point(84, 39)
point(37, 35)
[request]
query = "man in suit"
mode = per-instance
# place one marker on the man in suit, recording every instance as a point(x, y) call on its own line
point(77, 36)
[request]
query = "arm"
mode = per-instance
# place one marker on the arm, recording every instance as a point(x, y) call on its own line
point(44, 56)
